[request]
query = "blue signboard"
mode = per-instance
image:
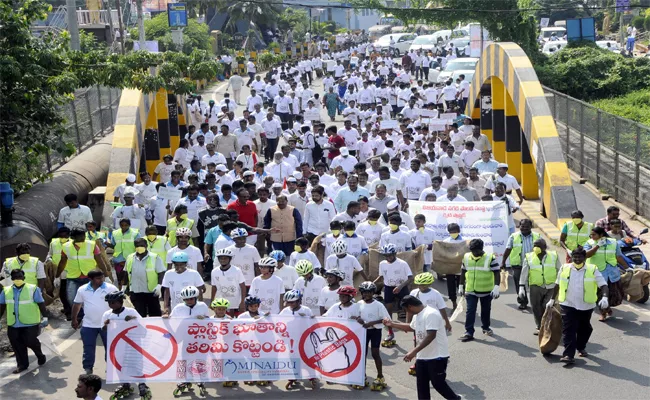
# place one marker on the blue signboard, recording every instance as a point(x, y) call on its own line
point(581, 29)
point(622, 5)
point(177, 15)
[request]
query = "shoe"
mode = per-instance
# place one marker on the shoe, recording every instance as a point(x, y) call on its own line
point(522, 306)
point(603, 318)
point(488, 332)
point(567, 360)
point(18, 370)
point(466, 338)
point(536, 333)
point(88, 371)
point(41, 359)
point(583, 353)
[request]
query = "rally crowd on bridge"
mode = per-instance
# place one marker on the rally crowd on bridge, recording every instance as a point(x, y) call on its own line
point(260, 186)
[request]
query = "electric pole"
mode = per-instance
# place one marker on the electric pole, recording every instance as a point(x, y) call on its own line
point(73, 25)
point(140, 25)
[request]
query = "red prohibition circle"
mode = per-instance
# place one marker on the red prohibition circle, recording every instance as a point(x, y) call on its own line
point(348, 333)
point(161, 367)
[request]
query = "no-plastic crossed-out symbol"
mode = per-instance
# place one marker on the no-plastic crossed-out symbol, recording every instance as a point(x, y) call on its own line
point(122, 336)
point(330, 350)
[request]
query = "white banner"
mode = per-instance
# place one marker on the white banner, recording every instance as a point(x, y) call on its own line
point(209, 350)
point(485, 220)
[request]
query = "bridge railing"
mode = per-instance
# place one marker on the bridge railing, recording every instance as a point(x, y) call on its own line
point(609, 151)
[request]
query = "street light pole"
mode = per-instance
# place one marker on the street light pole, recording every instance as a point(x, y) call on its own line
point(310, 19)
point(140, 25)
point(73, 24)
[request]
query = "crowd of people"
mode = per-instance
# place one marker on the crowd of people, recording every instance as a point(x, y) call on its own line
point(249, 215)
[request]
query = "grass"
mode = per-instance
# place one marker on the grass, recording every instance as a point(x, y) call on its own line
point(634, 105)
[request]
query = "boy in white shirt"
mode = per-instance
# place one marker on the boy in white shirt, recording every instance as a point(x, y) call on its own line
point(267, 287)
point(330, 238)
point(228, 281)
point(356, 245)
point(221, 307)
point(294, 307)
point(175, 280)
point(396, 275)
point(252, 304)
point(328, 295)
point(302, 252)
point(345, 308)
point(309, 284)
point(244, 256)
point(372, 313)
point(344, 262)
point(395, 236)
point(422, 235)
point(370, 229)
point(283, 271)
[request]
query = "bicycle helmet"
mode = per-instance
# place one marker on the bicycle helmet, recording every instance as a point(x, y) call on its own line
point(337, 273)
point(339, 247)
point(388, 249)
point(278, 255)
point(225, 252)
point(252, 300)
point(367, 287)
point(347, 290)
point(180, 256)
point(238, 232)
point(268, 262)
point(304, 267)
point(183, 232)
point(292, 295)
point(218, 302)
point(115, 296)
point(189, 292)
point(425, 278)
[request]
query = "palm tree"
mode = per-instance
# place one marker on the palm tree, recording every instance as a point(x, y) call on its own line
point(255, 13)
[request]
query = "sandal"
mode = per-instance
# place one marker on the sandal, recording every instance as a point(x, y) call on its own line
point(18, 370)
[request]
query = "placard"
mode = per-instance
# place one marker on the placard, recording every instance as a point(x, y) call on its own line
point(171, 194)
point(437, 126)
point(429, 113)
point(389, 124)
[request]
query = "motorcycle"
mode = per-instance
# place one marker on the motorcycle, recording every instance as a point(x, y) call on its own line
point(634, 256)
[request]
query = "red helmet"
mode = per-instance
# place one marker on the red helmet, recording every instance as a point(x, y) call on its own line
point(348, 290)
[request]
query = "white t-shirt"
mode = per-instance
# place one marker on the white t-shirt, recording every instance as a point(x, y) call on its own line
point(75, 218)
point(394, 273)
point(94, 304)
point(311, 291)
point(347, 265)
point(181, 310)
point(302, 310)
point(327, 297)
point(228, 284)
point(336, 311)
point(288, 275)
point(401, 240)
point(427, 237)
point(372, 312)
point(192, 252)
point(245, 258)
point(282, 104)
point(392, 186)
point(429, 319)
point(308, 255)
point(413, 183)
point(432, 298)
point(371, 233)
point(269, 291)
point(175, 282)
point(127, 312)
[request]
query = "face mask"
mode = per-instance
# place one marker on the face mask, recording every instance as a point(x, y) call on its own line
point(64, 240)
point(152, 237)
point(297, 248)
point(18, 282)
point(393, 227)
point(578, 266)
point(576, 220)
point(454, 235)
point(23, 257)
point(349, 233)
point(475, 258)
point(183, 217)
point(372, 223)
point(140, 249)
point(421, 229)
point(336, 232)
point(537, 250)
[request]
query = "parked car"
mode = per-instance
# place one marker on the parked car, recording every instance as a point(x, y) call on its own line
point(610, 45)
point(547, 33)
point(553, 47)
point(469, 74)
point(424, 42)
point(403, 42)
point(457, 64)
point(460, 44)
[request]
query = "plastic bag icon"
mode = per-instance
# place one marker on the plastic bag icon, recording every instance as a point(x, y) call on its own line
point(335, 359)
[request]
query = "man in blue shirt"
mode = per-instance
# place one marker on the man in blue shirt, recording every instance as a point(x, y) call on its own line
point(486, 164)
point(350, 193)
point(24, 330)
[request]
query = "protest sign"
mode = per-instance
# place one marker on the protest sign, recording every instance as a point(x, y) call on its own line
point(210, 350)
point(389, 124)
point(171, 194)
point(485, 220)
point(428, 113)
point(448, 117)
point(437, 126)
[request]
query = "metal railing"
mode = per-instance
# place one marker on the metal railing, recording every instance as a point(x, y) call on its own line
point(609, 151)
point(90, 117)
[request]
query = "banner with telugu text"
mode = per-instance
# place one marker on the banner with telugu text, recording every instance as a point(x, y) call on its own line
point(209, 350)
point(485, 220)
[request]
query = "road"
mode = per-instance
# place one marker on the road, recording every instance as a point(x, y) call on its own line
point(505, 366)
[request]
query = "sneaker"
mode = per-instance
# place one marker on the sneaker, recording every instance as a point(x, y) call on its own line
point(522, 306)
point(466, 338)
point(583, 353)
point(488, 332)
point(41, 359)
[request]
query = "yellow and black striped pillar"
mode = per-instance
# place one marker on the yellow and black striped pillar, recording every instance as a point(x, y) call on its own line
point(485, 109)
point(150, 146)
point(529, 183)
point(276, 50)
point(182, 124)
point(288, 52)
point(498, 120)
point(175, 126)
point(513, 138)
point(164, 125)
point(253, 55)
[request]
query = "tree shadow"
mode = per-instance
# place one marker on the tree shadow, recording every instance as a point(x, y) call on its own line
point(617, 372)
point(521, 349)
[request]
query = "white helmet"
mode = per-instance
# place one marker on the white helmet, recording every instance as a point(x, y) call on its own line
point(292, 295)
point(184, 232)
point(339, 247)
point(225, 252)
point(238, 232)
point(189, 292)
point(268, 262)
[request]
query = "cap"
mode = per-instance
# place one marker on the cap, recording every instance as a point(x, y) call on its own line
point(278, 153)
point(222, 168)
point(297, 175)
point(130, 192)
point(130, 178)
point(291, 179)
point(249, 173)
point(345, 151)
point(392, 204)
point(347, 120)
point(277, 185)
point(502, 165)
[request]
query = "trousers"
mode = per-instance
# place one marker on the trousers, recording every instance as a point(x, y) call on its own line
point(539, 296)
point(470, 315)
point(576, 329)
point(146, 304)
point(516, 270)
point(286, 247)
point(434, 372)
point(89, 340)
point(452, 286)
point(24, 338)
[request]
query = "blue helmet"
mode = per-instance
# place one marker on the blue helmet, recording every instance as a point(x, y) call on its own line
point(180, 256)
point(278, 255)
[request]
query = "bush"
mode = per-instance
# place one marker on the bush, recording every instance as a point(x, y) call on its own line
point(646, 23)
point(634, 105)
point(637, 22)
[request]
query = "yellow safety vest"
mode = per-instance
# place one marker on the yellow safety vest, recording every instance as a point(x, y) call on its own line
point(95, 236)
point(589, 283)
point(28, 267)
point(172, 225)
point(81, 261)
point(605, 254)
point(515, 253)
point(577, 236)
point(478, 276)
point(150, 269)
point(540, 275)
point(158, 248)
point(56, 247)
point(28, 311)
point(124, 242)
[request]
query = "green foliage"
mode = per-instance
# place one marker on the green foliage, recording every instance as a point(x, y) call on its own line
point(267, 59)
point(589, 73)
point(646, 22)
point(296, 19)
point(638, 21)
point(253, 12)
point(634, 105)
point(195, 35)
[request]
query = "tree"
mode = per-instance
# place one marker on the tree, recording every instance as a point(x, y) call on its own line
point(195, 35)
point(254, 13)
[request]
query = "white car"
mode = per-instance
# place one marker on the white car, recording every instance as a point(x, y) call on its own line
point(547, 33)
point(610, 45)
point(469, 75)
point(552, 47)
point(457, 64)
point(402, 43)
point(424, 42)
